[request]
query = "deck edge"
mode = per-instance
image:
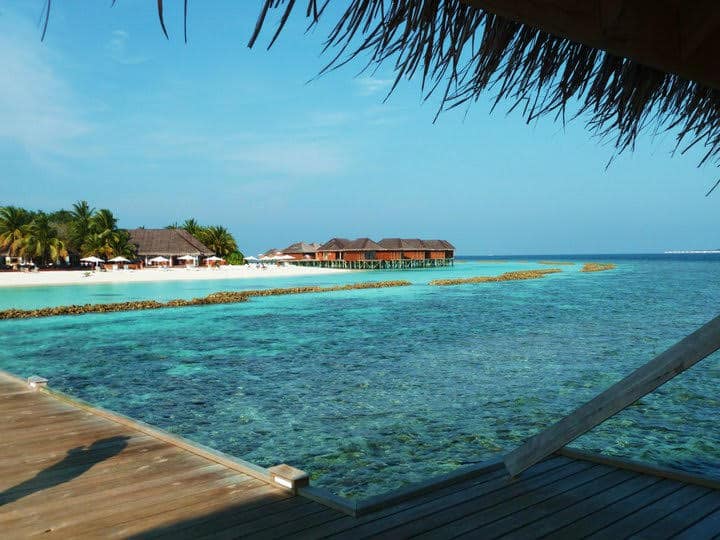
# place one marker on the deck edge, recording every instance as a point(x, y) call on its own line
point(640, 467)
point(390, 498)
point(198, 449)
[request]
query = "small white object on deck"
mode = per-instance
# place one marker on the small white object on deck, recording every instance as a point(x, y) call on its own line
point(289, 477)
point(36, 382)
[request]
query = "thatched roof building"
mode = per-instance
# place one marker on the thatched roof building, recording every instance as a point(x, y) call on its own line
point(167, 243)
point(343, 244)
point(402, 244)
point(301, 248)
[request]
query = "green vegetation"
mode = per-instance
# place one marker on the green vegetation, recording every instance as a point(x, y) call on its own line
point(507, 276)
point(214, 298)
point(598, 267)
point(216, 237)
point(48, 238)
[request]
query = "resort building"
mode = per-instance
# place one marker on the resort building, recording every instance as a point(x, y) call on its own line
point(168, 243)
point(301, 250)
point(389, 253)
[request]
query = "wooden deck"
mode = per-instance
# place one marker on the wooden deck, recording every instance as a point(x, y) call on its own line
point(70, 472)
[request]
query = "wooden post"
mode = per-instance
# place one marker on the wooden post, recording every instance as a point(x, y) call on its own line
point(36, 382)
point(289, 477)
point(681, 356)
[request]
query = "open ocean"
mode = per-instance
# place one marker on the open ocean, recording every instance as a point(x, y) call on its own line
point(369, 390)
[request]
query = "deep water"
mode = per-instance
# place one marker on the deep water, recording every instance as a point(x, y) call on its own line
point(369, 390)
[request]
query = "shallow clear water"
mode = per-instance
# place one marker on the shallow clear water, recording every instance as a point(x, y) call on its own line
point(371, 389)
point(36, 297)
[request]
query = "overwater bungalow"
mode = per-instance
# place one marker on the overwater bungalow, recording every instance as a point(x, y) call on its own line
point(416, 249)
point(169, 243)
point(389, 253)
point(301, 250)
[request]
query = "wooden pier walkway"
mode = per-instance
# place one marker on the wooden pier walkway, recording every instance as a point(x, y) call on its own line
point(69, 471)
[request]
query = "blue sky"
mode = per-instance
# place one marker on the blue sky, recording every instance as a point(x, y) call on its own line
point(108, 110)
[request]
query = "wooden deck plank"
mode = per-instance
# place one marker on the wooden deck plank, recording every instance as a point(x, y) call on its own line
point(474, 517)
point(343, 523)
point(646, 516)
point(89, 495)
point(242, 500)
point(707, 527)
point(71, 466)
point(211, 524)
point(107, 515)
point(547, 506)
point(446, 509)
point(144, 463)
point(278, 525)
point(676, 522)
point(289, 529)
point(551, 523)
point(610, 514)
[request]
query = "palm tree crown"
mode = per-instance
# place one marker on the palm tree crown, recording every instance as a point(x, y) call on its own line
point(13, 221)
point(41, 241)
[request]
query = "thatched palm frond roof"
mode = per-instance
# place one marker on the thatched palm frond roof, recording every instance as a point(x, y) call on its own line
point(463, 48)
point(407, 244)
point(439, 245)
point(301, 247)
point(167, 242)
point(343, 244)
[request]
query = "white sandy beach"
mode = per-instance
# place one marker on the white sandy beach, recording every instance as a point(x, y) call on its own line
point(35, 279)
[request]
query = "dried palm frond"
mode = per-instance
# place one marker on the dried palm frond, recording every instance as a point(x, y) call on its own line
point(467, 51)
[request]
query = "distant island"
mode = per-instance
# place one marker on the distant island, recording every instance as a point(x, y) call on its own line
point(691, 252)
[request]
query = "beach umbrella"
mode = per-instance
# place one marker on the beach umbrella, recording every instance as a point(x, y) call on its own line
point(92, 259)
point(186, 258)
point(214, 258)
point(118, 259)
point(159, 259)
point(286, 258)
point(251, 258)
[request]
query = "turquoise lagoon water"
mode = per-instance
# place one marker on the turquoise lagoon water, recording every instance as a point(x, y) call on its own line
point(369, 390)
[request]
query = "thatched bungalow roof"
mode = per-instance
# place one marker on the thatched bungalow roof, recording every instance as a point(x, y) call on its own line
point(167, 242)
point(343, 244)
point(438, 245)
point(415, 244)
point(402, 244)
point(301, 247)
point(623, 65)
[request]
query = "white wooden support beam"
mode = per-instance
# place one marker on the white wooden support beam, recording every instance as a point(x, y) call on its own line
point(681, 356)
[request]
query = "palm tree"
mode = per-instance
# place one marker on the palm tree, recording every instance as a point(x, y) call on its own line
point(193, 227)
point(13, 221)
point(121, 245)
point(103, 221)
point(218, 239)
point(41, 241)
point(173, 226)
point(82, 215)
